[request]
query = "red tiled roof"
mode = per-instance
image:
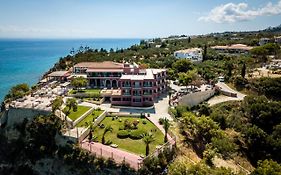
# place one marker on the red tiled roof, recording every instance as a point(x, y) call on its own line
point(100, 65)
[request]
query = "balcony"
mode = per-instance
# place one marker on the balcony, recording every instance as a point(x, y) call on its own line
point(147, 93)
point(126, 85)
point(137, 86)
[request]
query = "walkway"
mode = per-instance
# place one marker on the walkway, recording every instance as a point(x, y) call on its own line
point(118, 155)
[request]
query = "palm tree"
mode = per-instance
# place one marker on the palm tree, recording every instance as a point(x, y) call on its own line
point(71, 103)
point(106, 129)
point(56, 104)
point(147, 138)
point(166, 126)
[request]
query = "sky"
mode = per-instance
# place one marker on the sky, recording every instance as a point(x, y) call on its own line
point(133, 18)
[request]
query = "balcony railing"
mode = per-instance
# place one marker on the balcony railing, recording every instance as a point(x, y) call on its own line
point(127, 93)
point(126, 85)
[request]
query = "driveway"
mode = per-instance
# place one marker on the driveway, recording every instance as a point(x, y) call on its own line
point(222, 98)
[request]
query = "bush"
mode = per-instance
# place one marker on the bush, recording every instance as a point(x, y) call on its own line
point(122, 134)
point(161, 121)
point(121, 128)
point(144, 122)
point(136, 134)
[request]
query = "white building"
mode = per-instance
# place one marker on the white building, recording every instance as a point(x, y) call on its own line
point(194, 54)
point(278, 39)
point(264, 41)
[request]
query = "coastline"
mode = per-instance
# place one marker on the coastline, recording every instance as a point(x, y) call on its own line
point(36, 57)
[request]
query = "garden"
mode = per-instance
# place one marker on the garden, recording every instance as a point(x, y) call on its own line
point(127, 133)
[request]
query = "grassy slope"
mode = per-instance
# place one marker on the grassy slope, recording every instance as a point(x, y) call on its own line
point(134, 146)
point(89, 118)
point(80, 111)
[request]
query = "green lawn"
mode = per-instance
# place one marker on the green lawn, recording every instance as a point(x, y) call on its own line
point(134, 146)
point(88, 91)
point(90, 118)
point(80, 111)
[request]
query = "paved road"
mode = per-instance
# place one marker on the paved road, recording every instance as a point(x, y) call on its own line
point(222, 98)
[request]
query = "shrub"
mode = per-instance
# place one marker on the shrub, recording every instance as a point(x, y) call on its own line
point(122, 134)
point(121, 128)
point(136, 134)
point(120, 120)
point(161, 120)
point(144, 122)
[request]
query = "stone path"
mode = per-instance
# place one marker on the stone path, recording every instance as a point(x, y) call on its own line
point(118, 155)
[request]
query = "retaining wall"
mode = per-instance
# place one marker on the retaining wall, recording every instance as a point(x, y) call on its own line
point(83, 116)
point(196, 98)
point(17, 115)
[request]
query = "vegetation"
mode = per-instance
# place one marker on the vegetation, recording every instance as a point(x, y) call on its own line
point(79, 82)
point(17, 91)
point(56, 104)
point(71, 103)
point(90, 118)
point(37, 137)
point(147, 139)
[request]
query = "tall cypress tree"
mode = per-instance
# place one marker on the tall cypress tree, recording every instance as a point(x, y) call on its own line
point(243, 71)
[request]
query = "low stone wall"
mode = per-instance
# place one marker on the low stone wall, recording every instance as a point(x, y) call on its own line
point(100, 118)
point(196, 98)
point(83, 116)
point(124, 114)
point(86, 132)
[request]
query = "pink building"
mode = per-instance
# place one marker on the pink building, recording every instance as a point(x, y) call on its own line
point(124, 84)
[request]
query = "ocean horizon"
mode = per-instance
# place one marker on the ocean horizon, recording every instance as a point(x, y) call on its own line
point(26, 60)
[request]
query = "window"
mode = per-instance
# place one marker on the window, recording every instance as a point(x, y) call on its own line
point(116, 99)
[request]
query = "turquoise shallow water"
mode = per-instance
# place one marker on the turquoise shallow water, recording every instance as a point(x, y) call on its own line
point(24, 61)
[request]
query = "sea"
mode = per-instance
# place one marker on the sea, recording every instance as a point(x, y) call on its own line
point(26, 60)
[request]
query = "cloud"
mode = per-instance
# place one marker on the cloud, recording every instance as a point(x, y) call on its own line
point(231, 12)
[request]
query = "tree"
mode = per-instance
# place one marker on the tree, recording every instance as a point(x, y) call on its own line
point(187, 78)
point(229, 67)
point(182, 65)
point(106, 129)
point(189, 40)
point(243, 71)
point(267, 167)
point(71, 103)
point(147, 138)
point(56, 104)
point(166, 126)
point(79, 82)
point(205, 53)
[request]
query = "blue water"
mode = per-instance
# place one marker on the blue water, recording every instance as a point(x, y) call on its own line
point(24, 61)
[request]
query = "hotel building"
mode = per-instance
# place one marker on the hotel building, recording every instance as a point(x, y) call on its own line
point(124, 83)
